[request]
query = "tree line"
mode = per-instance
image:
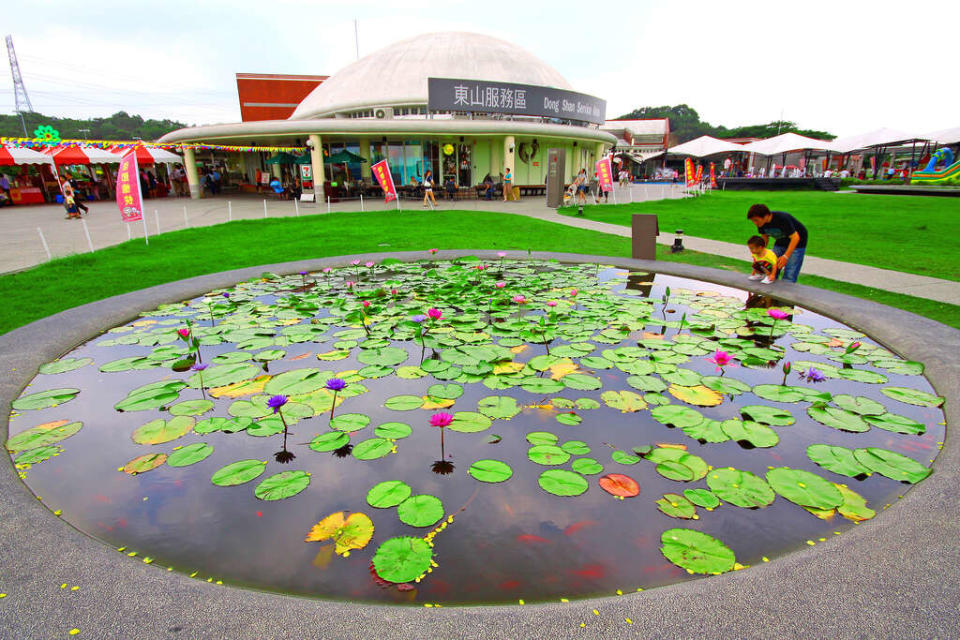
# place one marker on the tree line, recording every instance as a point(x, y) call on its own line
point(119, 126)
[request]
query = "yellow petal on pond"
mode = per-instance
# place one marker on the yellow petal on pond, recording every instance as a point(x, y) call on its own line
point(628, 620)
point(75, 588)
point(287, 323)
point(649, 335)
point(672, 445)
point(698, 395)
point(74, 631)
point(562, 369)
point(520, 348)
point(823, 514)
point(508, 367)
point(240, 389)
point(430, 402)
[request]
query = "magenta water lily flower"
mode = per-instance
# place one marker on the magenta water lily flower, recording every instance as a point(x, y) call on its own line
point(573, 292)
point(777, 314)
point(551, 303)
point(853, 346)
point(500, 285)
point(183, 333)
point(720, 358)
point(393, 292)
point(433, 251)
point(369, 264)
point(520, 299)
point(355, 262)
point(365, 303)
point(440, 419)
point(275, 402)
point(434, 314)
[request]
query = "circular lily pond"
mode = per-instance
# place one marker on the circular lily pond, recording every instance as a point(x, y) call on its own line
point(472, 432)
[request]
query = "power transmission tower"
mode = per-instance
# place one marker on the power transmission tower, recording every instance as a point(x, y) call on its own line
point(19, 90)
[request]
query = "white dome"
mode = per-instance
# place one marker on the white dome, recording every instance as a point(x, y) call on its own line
point(397, 74)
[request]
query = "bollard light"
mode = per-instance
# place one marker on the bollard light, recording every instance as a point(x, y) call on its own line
point(580, 210)
point(677, 242)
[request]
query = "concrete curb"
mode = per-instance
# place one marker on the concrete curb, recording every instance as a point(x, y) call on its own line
point(895, 576)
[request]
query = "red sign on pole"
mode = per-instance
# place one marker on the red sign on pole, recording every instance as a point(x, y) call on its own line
point(699, 178)
point(691, 177)
point(605, 174)
point(381, 172)
point(128, 188)
point(713, 177)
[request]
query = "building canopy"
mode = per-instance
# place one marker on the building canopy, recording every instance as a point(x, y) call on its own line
point(785, 143)
point(705, 146)
point(878, 138)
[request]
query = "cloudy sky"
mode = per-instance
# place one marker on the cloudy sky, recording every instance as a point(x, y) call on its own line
point(842, 66)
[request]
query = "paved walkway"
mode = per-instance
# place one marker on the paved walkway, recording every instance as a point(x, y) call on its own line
point(21, 245)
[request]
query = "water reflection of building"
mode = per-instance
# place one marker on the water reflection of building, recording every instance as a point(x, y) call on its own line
point(640, 281)
point(380, 107)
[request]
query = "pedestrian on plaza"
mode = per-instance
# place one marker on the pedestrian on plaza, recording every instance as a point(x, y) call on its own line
point(726, 166)
point(70, 193)
point(582, 186)
point(488, 188)
point(5, 184)
point(216, 182)
point(790, 238)
point(507, 185)
point(450, 186)
point(428, 188)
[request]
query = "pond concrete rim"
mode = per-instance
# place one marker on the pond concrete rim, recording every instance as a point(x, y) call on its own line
point(894, 576)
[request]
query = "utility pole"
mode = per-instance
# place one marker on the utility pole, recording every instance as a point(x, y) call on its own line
point(19, 90)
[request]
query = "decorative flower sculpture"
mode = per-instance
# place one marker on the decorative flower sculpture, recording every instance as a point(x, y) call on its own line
point(46, 134)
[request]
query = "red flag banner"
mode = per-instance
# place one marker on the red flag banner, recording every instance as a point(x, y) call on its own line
point(713, 177)
point(128, 188)
point(699, 173)
point(605, 174)
point(691, 177)
point(381, 172)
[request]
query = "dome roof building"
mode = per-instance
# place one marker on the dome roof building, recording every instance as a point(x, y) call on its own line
point(462, 105)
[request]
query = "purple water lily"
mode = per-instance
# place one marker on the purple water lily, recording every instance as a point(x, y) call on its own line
point(335, 385)
point(813, 375)
point(275, 402)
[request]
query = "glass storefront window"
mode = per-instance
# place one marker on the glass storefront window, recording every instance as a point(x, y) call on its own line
point(413, 156)
point(395, 159)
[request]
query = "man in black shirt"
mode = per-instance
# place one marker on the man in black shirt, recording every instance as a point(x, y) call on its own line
point(790, 238)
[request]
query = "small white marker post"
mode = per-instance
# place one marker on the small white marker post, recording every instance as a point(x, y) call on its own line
point(156, 217)
point(229, 211)
point(264, 207)
point(328, 204)
point(86, 230)
point(129, 233)
point(361, 201)
point(146, 236)
point(296, 206)
point(186, 219)
point(45, 246)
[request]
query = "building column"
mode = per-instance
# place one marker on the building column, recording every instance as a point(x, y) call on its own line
point(508, 159)
point(599, 155)
point(365, 166)
point(316, 160)
point(190, 166)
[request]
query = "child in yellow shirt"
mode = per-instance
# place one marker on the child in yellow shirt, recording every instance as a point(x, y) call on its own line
point(764, 261)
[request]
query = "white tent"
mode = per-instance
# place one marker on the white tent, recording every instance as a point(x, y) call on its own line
point(878, 138)
point(945, 136)
point(705, 146)
point(785, 143)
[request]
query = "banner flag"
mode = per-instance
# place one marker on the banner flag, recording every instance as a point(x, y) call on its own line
point(713, 177)
point(690, 177)
point(128, 188)
point(699, 173)
point(381, 171)
point(605, 174)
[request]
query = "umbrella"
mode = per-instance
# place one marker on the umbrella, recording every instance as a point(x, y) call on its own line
point(21, 155)
point(74, 154)
point(288, 158)
point(345, 156)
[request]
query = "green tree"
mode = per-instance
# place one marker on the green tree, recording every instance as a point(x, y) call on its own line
point(119, 126)
point(685, 125)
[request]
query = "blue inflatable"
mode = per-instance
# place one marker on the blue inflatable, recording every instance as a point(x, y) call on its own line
point(944, 155)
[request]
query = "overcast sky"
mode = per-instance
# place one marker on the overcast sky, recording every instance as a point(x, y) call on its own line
point(841, 66)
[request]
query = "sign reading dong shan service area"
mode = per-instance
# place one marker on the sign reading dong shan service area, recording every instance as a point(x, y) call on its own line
point(481, 96)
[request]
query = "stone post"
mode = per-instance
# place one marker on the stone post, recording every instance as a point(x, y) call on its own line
point(316, 160)
point(190, 166)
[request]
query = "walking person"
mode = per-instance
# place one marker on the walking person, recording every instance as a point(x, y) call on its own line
point(428, 189)
point(581, 184)
point(507, 185)
point(790, 238)
point(70, 193)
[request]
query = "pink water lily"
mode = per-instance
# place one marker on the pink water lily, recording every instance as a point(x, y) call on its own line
point(184, 333)
point(720, 358)
point(434, 314)
point(501, 254)
point(551, 303)
point(500, 285)
point(369, 264)
point(433, 251)
point(355, 262)
point(365, 303)
point(327, 269)
point(777, 314)
point(520, 299)
point(393, 292)
point(573, 292)
point(440, 419)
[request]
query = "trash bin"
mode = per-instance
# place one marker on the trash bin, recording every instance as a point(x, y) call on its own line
point(516, 193)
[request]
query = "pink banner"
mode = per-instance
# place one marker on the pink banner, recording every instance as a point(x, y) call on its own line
point(605, 175)
point(381, 171)
point(128, 188)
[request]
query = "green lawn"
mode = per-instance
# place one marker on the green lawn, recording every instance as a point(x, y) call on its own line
point(69, 282)
point(905, 233)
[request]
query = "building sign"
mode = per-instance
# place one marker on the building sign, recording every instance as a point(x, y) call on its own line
point(128, 188)
point(481, 96)
point(381, 171)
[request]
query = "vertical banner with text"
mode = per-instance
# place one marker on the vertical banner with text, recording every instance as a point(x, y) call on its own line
point(605, 175)
point(713, 177)
point(381, 171)
point(128, 188)
point(699, 178)
point(690, 176)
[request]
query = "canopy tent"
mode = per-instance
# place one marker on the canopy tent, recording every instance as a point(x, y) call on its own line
point(878, 138)
point(21, 155)
point(288, 158)
point(146, 155)
point(343, 156)
point(945, 136)
point(73, 154)
point(705, 146)
point(785, 143)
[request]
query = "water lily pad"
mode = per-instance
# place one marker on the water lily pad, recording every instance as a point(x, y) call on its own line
point(906, 395)
point(647, 383)
point(896, 423)
point(892, 465)
point(541, 437)
point(410, 373)
point(63, 365)
point(740, 488)
point(569, 419)
point(839, 460)
point(861, 375)
point(498, 407)
point(348, 532)
point(490, 471)
point(143, 463)
point(753, 433)
point(768, 415)
point(677, 506)
point(623, 457)
point(469, 422)
point(238, 473)
point(677, 415)
point(420, 510)
point(350, 422)
point(191, 407)
point(42, 435)
point(282, 485)
point(729, 386)
point(561, 482)
point(682, 377)
point(537, 385)
point(44, 399)
point(190, 454)
point(587, 466)
point(402, 559)
point(403, 403)
point(384, 356)
point(372, 448)
point(576, 447)
point(159, 431)
point(619, 485)
point(804, 488)
point(296, 382)
point(779, 393)
point(388, 494)
point(624, 401)
point(151, 396)
point(699, 395)
point(901, 367)
point(547, 454)
point(696, 552)
point(854, 506)
point(581, 381)
point(707, 431)
point(447, 391)
point(329, 441)
point(393, 430)
point(859, 404)
point(702, 498)
point(223, 374)
point(838, 418)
